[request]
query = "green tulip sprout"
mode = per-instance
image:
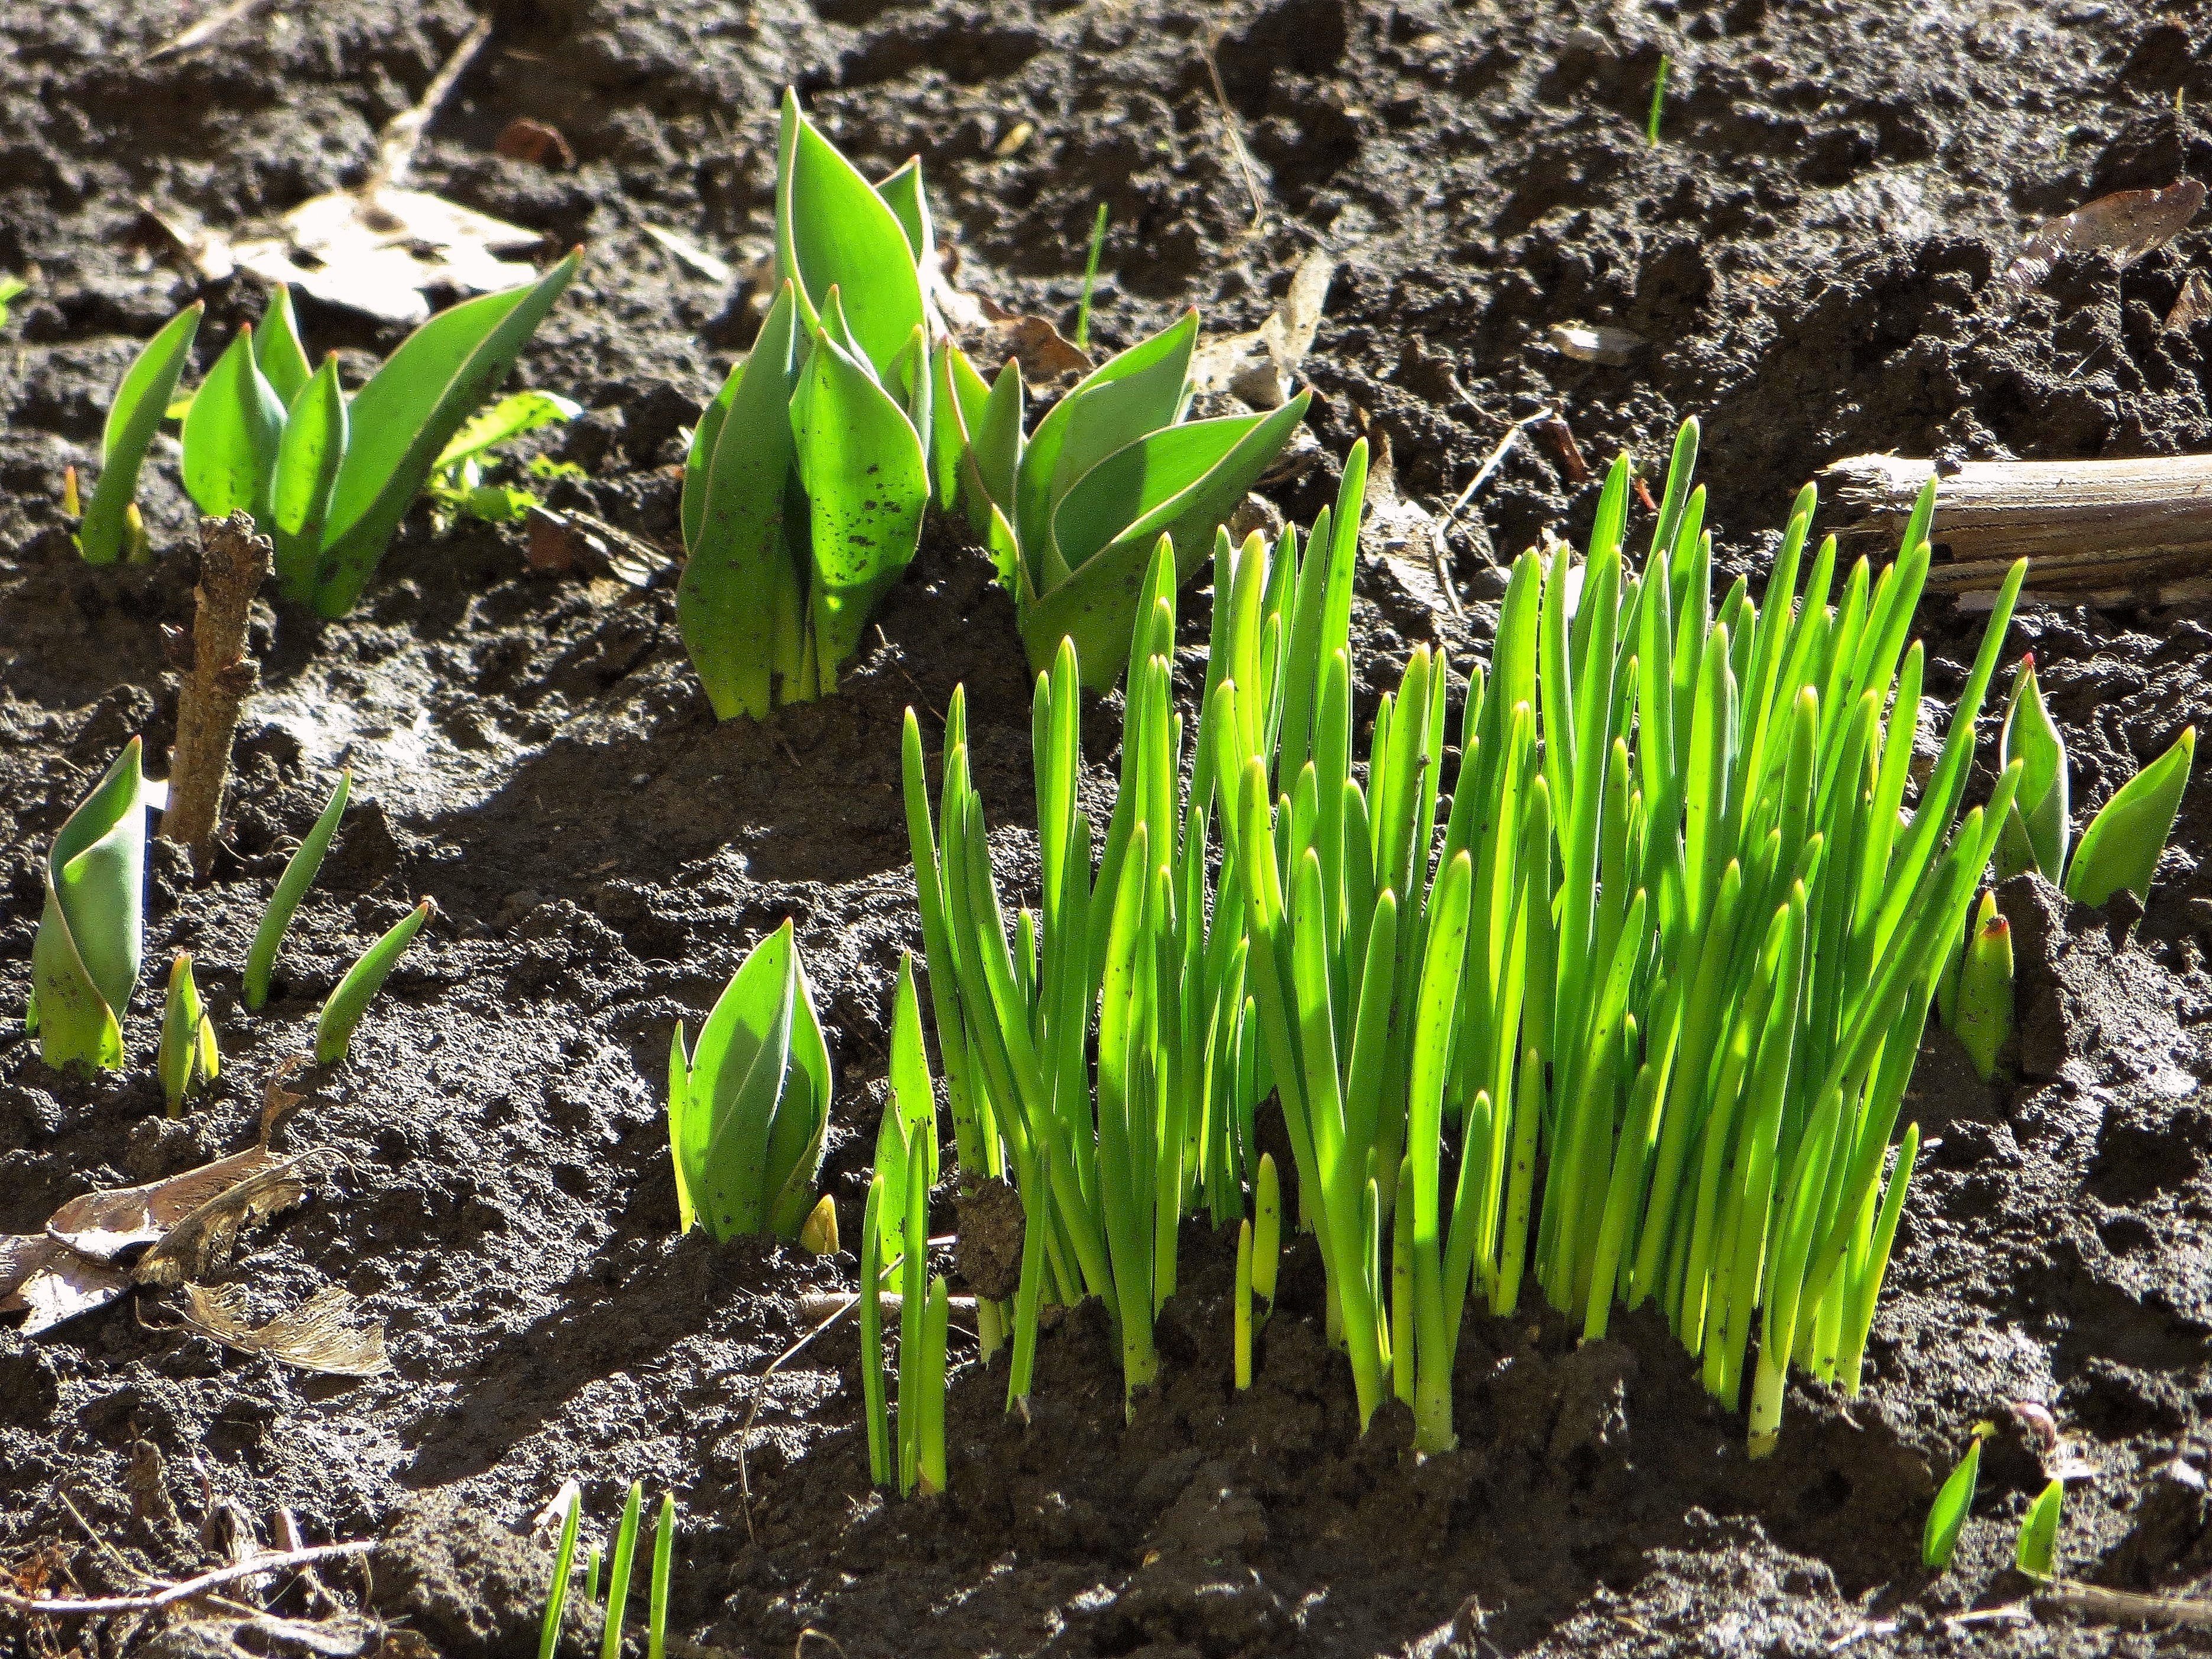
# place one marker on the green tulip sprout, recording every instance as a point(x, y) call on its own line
point(569, 1504)
point(1939, 1539)
point(291, 887)
point(1072, 512)
point(2122, 845)
point(1637, 1030)
point(188, 1055)
point(2037, 1551)
point(803, 490)
point(328, 476)
point(1982, 1011)
point(342, 1011)
point(748, 1105)
point(84, 961)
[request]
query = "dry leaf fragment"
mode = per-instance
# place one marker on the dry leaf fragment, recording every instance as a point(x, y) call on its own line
point(1595, 342)
point(1018, 134)
point(1260, 365)
point(377, 251)
point(525, 140)
point(1038, 346)
point(204, 1239)
point(51, 1283)
point(689, 254)
point(102, 1225)
point(318, 1336)
point(2193, 306)
point(2126, 225)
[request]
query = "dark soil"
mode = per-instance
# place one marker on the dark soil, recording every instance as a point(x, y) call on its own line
point(1811, 252)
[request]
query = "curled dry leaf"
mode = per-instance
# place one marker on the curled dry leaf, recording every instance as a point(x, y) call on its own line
point(2126, 225)
point(1595, 342)
point(195, 1245)
point(379, 251)
point(2193, 306)
point(318, 1336)
point(1260, 366)
point(49, 1282)
point(525, 140)
point(101, 1227)
point(990, 334)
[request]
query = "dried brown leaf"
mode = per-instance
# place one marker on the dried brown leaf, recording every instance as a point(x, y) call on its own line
point(1260, 365)
point(2126, 225)
point(103, 1225)
point(59, 1285)
point(318, 1336)
point(2193, 306)
point(525, 140)
point(204, 1239)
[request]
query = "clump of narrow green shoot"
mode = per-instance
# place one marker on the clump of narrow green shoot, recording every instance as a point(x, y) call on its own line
point(1258, 1256)
point(894, 1238)
point(188, 1057)
point(291, 887)
point(1658, 102)
point(328, 476)
point(85, 956)
point(748, 1105)
point(2122, 845)
point(1090, 279)
point(1939, 1539)
point(622, 1566)
point(1635, 1026)
point(342, 1011)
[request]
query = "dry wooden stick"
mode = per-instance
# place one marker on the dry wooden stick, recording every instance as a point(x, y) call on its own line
point(80, 1607)
point(233, 562)
point(2125, 1607)
point(2085, 526)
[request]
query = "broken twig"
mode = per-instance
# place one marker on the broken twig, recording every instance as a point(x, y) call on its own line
point(233, 562)
point(85, 1606)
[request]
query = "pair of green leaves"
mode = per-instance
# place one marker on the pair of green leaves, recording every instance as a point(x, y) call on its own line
point(807, 476)
point(2036, 1552)
point(1072, 512)
point(329, 477)
point(84, 961)
point(2122, 844)
point(749, 1106)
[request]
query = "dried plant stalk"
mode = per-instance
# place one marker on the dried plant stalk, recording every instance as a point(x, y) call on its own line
point(233, 562)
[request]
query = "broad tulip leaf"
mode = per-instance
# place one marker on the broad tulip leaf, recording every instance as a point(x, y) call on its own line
point(903, 194)
point(680, 1131)
point(997, 435)
point(741, 568)
point(231, 435)
point(1137, 479)
point(2036, 830)
point(136, 414)
point(84, 960)
point(959, 403)
point(1096, 605)
point(867, 482)
point(1160, 368)
point(411, 409)
point(2121, 846)
point(277, 349)
point(834, 230)
point(308, 456)
point(802, 1115)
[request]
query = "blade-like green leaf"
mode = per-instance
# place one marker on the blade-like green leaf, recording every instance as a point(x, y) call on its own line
point(308, 457)
point(334, 1026)
point(2122, 844)
point(1939, 1540)
point(84, 959)
point(277, 350)
point(833, 230)
point(133, 420)
point(231, 435)
point(867, 482)
point(2037, 1552)
point(291, 887)
point(802, 1117)
point(510, 417)
point(903, 194)
point(2036, 831)
point(403, 419)
point(734, 522)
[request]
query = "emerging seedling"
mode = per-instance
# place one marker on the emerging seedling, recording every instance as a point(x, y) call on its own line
point(1947, 1514)
point(571, 1505)
point(330, 476)
point(2037, 1551)
point(1090, 279)
point(188, 1056)
point(292, 887)
point(749, 1106)
point(1983, 1021)
point(570, 1502)
point(458, 487)
point(1072, 512)
point(334, 1027)
point(84, 961)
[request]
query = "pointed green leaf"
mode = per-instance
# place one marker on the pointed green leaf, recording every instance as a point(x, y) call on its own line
point(291, 887)
point(1939, 1540)
point(84, 959)
point(2037, 826)
point(2122, 844)
point(834, 230)
point(335, 1025)
point(903, 194)
point(308, 456)
point(132, 419)
point(403, 419)
point(277, 349)
point(2037, 1552)
point(231, 435)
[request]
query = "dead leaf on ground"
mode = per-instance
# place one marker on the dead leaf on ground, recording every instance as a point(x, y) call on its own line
point(688, 254)
point(202, 1240)
point(377, 251)
point(990, 334)
point(318, 1336)
point(51, 1283)
point(1260, 365)
point(103, 1225)
point(2125, 225)
point(2193, 306)
point(525, 140)
point(1402, 531)
point(1595, 342)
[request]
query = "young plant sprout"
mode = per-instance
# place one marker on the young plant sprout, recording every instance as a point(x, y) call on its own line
point(291, 887)
point(2122, 844)
point(2037, 1551)
point(894, 1237)
point(133, 418)
point(1939, 1540)
point(1090, 279)
point(748, 1105)
point(456, 485)
point(188, 1055)
point(803, 490)
point(1639, 1030)
point(84, 960)
point(1070, 512)
point(1982, 1003)
point(622, 1566)
point(341, 1012)
point(329, 477)
point(570, 1502)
